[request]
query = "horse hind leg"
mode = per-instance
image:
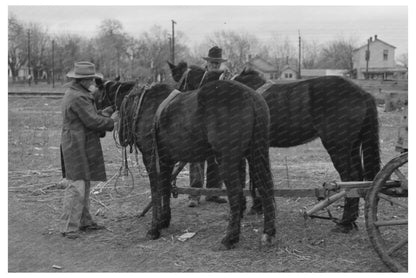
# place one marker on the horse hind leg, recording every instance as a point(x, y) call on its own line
point(165, 190)
point(230, 174)
point(346, 157)
point(260, 173)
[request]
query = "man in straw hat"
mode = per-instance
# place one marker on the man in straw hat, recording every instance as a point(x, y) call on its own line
point(82, 154)
point(196, 170)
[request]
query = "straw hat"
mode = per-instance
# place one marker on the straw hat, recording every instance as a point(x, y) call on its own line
point(84, 70)
point(214, 55)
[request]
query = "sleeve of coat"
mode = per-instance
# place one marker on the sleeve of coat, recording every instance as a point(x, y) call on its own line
point(89, 116)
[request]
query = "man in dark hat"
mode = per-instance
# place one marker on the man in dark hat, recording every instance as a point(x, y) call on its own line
point(196, 170)
point(82, 156)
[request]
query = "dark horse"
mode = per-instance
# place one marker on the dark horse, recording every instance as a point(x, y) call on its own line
point(332, 108)
point(190, 78)
point(222, 118)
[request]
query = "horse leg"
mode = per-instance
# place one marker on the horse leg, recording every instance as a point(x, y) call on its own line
point(260, 173)
point(150, 164)
point(351, 205)
point(230, 174)
point(165, 191)
point(242, 172)
point(346, 158)
point(256, 207)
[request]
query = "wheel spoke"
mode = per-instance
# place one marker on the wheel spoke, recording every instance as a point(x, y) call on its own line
point(391, 200)
point(396, 247)
point(402, 177)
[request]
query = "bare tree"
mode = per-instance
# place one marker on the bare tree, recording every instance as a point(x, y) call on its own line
point(310, 54)
point(17, 56)
point(403, 58)
point(337, 55)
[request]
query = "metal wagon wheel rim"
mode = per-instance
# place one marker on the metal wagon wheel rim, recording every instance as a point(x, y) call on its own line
point(377, 227)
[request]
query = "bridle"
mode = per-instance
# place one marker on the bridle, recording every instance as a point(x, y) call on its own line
point(183, 82)
point(107, 97)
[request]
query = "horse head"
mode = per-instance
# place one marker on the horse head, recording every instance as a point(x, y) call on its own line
point(112, 92)
point(250, 78)
point(192, 77)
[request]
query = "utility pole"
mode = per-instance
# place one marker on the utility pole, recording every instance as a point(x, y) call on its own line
point(300, 75)
point(28, 57)
point(367, 58)
point(173, 41)
point(170, 46)
point(53, 64)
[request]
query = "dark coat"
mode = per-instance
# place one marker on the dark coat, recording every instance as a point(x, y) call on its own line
point(80, 139)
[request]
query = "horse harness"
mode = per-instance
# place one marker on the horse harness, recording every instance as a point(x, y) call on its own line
point(265, 87)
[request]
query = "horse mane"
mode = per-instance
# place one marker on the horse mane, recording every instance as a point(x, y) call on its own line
point(250, 71)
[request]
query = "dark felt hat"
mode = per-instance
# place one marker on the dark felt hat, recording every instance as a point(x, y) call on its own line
point(214, 55)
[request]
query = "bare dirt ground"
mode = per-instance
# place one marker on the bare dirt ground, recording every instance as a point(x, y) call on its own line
point(34, 203)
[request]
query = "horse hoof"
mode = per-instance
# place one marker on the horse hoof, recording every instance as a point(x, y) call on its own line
point(153, 234)
point(266, 240)
point(228, 243)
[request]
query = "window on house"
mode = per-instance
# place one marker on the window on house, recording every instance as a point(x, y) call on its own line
point(286, 75)
point(385, 55)
point(271, 76)
point(290, 75)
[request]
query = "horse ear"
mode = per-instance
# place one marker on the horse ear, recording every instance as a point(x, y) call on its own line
point(98, 81)
point(171, 66)
point(117, 78)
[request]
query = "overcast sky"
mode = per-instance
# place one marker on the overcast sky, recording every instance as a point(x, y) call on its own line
point(319, 23)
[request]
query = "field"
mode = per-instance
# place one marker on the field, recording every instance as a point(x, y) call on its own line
point(35, 195)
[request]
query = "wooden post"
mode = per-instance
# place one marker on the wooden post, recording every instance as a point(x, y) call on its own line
point(300, 75)
point(173, 41)
point(53, 64)
point(367, 58)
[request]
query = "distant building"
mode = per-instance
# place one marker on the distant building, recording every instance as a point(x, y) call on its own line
point(288, 73)
point(266, 69)
point(311, 73)
point(381, 63)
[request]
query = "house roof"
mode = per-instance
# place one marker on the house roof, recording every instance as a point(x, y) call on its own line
point(373, 41)
point(261, 64)
point(288, 67)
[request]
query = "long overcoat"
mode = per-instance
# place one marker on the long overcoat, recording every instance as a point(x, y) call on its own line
point(80, 138)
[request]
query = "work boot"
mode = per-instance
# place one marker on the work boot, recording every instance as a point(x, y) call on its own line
point(71, 234)
point(216, 199)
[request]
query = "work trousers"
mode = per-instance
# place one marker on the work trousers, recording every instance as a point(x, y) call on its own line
point(76, 206)
point(197, 176)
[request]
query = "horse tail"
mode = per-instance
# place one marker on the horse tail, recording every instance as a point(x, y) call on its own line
point(370, 140)
point(259, 163)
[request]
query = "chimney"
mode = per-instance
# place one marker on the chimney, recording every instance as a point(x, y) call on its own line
point(375, 37)
point(371, 39)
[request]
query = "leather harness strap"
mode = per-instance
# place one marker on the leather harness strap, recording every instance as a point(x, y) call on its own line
point(264, 87)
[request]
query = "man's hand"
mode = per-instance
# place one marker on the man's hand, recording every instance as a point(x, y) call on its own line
point(106, 112)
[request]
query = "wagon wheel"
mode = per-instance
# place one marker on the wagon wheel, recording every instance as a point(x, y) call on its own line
point(386, 214)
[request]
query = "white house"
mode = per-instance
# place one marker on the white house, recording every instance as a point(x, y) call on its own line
point(381, 62)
